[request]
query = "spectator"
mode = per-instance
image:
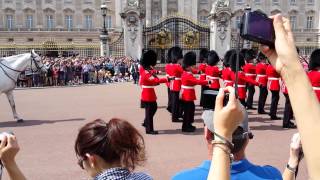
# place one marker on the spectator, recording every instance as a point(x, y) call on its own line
point(110, 150)
point(241, 168)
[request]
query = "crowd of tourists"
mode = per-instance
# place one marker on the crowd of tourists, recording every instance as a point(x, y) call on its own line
point(67, 71)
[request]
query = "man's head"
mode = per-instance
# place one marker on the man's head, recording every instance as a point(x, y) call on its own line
point(240, 136)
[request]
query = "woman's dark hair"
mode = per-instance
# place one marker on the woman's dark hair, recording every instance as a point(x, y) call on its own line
point(226, 57)
point(213, 58)
point(238, 139)
point(233, 60)
point(203, 55)
point(314, 60)
point(176, 54)
point(149, 58)
point(115, 141)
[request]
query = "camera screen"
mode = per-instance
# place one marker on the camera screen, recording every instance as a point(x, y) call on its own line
point(261, 27)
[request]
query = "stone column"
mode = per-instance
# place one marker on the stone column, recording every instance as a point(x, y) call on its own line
point(133, 19)
point(220, 27)
point(180, 6)
point(117, 13)
point(164, 7)
point(194, 6)
point(148, 13)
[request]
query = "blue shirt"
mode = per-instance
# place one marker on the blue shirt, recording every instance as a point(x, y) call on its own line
point(240, 170)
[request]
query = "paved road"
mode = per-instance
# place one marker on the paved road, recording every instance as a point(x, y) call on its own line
point(53, 117)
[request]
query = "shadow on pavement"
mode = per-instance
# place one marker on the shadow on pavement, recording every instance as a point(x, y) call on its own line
point(36, 122)
point(199, 131)
point(268, 127)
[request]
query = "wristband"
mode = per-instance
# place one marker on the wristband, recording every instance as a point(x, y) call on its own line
point(225, 149)
point(224, 140)
point(291, 169)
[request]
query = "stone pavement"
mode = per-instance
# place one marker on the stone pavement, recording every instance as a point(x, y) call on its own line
point(53, 117)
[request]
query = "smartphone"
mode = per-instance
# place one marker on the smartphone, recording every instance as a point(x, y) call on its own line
point(257, 27)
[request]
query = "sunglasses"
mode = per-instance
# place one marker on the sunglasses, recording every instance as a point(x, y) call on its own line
point(80, 162)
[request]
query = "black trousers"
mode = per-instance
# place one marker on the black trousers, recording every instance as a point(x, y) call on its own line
point(202, 97)
point(288, 112)
point(188, 115)
point(263, 94)
point(251, 91)
point(150, 111)
point(169, 100)
point(274, 103)
point(176, 108)
point(209, 101)
point(243, 102)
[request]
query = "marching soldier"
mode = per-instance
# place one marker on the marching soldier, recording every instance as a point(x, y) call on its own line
point(274, 87)
point(262, 79)
point(242, 79)
point(226, 72)
point(188, 94)
point(175, 85)
point(250, 71)
point(203, 58)
point(314, 71)
point(288, 112)
point(212, 74)
point(169, 75)
point(148, 82)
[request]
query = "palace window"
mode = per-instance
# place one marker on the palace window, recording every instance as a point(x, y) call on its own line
point(50, 24)
point(69, 22)
point(310, 22)
point(29, 21)
point(275, 2)
point(9, 22)
point(108, 22)
point(293, 22)
point(88, 22)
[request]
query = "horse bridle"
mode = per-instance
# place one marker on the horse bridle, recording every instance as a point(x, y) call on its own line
point(33, 60)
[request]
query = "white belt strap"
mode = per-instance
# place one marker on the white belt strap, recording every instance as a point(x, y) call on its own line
point(261, 75)
point(187, 87)
point(210, 92)
point(176, 78)
point(241, 86)
point(228, 81)
point(248, 74)
point(147, 87)
point(316, 88)
point(273, 79)
point(211, 77)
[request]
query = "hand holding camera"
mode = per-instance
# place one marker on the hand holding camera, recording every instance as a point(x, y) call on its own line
point(8, 148)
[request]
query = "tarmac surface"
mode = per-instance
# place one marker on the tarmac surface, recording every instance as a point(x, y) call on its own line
point(54, 115)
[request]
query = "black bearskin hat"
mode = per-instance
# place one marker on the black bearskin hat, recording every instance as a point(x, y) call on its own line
point(233, 61)
point(203, 56)
point(314, 60)
point(176, 54)
point(261, 56)
point(226, 57)
point(149, 58)
point(213, 58)
point(189, 59)
point(249, 54)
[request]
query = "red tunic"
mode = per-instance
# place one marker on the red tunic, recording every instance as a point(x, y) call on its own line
point(226, 77)
point(202, 69)
point(168, 69)
point(213, 74)
point(261, 74)
point(188, 82)
point(273, 79)
point(250, 71)
point(148, 82)
point(242, 80)
point(175, 85)
point(314, 77)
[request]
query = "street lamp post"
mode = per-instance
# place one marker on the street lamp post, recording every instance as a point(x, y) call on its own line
point(104, 49)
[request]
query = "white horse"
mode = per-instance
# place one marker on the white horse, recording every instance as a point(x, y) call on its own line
point(10, 69)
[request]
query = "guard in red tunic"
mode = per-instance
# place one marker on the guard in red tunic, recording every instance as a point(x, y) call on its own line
point(242, 79)
point(168, 69)
point(226, 72)
point(250, 71)
point(274, 87)
point(213, 75)
point(188, 94)
point(262, 79)
point(314, 71)
point(175, 85)
point(203, 59)
point(288, 112)
point(148, 82)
